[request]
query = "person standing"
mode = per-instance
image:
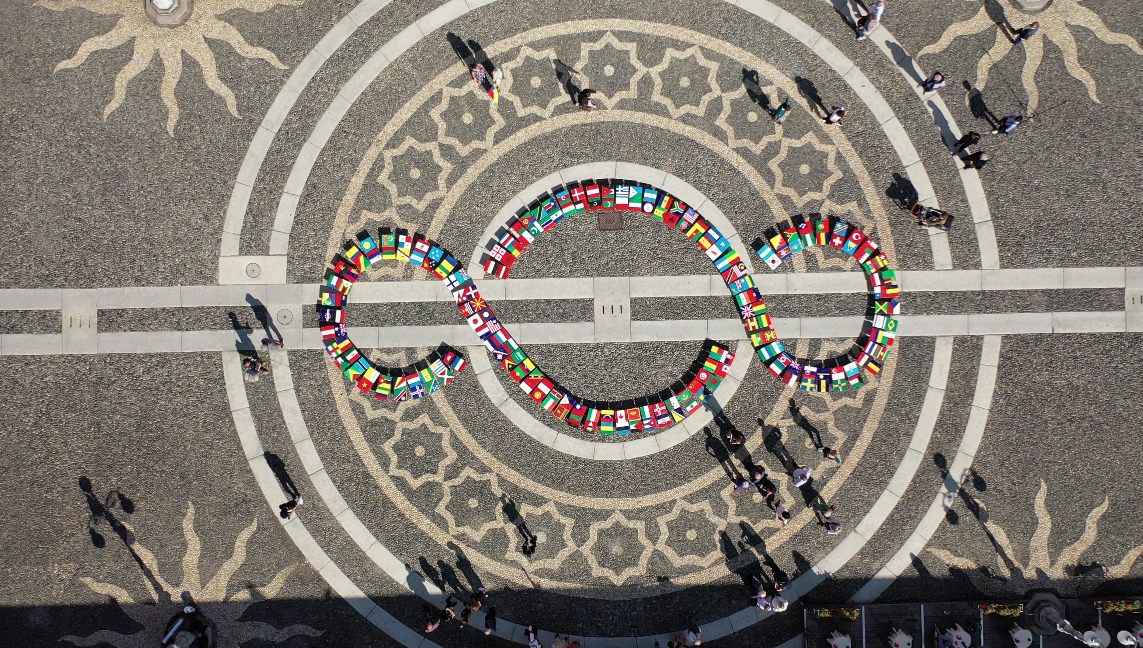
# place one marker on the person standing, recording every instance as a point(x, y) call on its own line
point(532, 637)
point(878, 9)
point(866, 24)
point(529, 547)
point(781, 512)
point(971, 138)
point(977, 160)
point(1025, 33)
point(829, 453)
point(936, 81)
point(835, 115)
point(465, 614)
point(1008, 124)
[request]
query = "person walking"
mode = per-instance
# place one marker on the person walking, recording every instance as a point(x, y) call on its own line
point(533, 638)
point(583, 100)
point(779, 114)
point(479, 598)
point(289, 509)
point(465, 615)
point(802, 476)
point(270, 344)
point(529, 547)
point(734, 439)
point(1008, 124)
point(490, 620)
point(971, 138)
point(835, 115)
point(866, 24)
point(935, 82)
point(757, 476)
point(977, 160)
point(1025, 33)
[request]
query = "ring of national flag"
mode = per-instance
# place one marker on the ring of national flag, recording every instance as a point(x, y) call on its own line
point(836, 374)
point(385, 383)
point(880, 329)
point(656, 411)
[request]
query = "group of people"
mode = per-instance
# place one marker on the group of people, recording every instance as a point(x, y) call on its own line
point(447, 614)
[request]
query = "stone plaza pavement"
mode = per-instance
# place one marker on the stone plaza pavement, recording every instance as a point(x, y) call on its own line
point(175, 194)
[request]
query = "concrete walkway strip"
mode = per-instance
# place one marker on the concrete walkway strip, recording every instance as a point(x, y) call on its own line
point(958, 471)
point(295, 528)
point(377, 292)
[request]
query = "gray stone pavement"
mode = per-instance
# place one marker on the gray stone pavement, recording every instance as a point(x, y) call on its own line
point(124, 302)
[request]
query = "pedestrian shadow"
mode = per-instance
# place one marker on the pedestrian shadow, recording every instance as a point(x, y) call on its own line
point(465, 567)
point(100, 511)
point(752, 82)
point(905, 62)
point(809, 92)
point(775, 446)
point(448, 576)
point(244, 345)
point(480, 57)
point(996, 14)
point(565, 75)
point(942, 122)
point(263, 317)
point(845, 10)
point(902, 192)
point(801, 421)
point(979, 108)
point(278, 467)
point(717, 449)
point(513, 515)
point(431, 572)
point(462, 50)
point(738, 559)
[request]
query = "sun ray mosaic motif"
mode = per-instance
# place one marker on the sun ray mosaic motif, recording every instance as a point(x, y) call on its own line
point(1013, 579)
point(165, 598)
point(168, 43)
point(1056, 22)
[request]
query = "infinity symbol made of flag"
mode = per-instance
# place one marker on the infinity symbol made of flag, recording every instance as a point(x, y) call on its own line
point(656, 411)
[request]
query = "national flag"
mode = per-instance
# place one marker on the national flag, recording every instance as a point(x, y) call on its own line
point(662, 207)
point(524, 237)
point(399, 391)
point(715, 367)
point(434, 257)
point(622, 196)
point(882, 353)
point(662, 415)
point(696, 403)
point(388, 244)
point(688, 219)
point(591, 420)
point(564, 408)
point(497, 252)
point(650, 199)
point(355, 255)
point(647, 419)
point(696, 230)
point(457, 280)
point(805, 230)
point(887, 276)
point(505, 239)
point(809, 381)
point(448, 267)
point(429, 380)
point(531, 382)
point(441, 372)
point(404, 245)
point(564, 200)
point(866, 250)
point(793, 240)
point(579, 199)
point(840, 234)
point(671, 218)
point(856, 236)
point(551, 401)
point(875, 263)
point(331, 315)
point(357, 369)
point(635, 202)
point(345, 269)
point(549, 212)
point(886, 292)
point(330, 297)
point(771, 350)
point(879, 321)
point(739, 285)
point(755, 338)
point(719, 354)
point(369, 247)
point(607, 421)
point(734, 273)
point(720, 246)
point(328, 332)
point(522, 370)
point(606, 197)
point(885, 337)
point(416, 388)
point(577, 414)
point(634, 419)
point(837, 379)
point(709, 379)
point(465, 295)
point(621, 419)
point(821, 230)
point(383, 388)
point(824, 381)
point(886, 307)
point(778, 243)
point(478, 326)
point(675, 407)
point(709, 237)
point(873, 367)
point(455, 361)
point(726, 261)
point(750, 296)
point(592, 196)
point(769, 256)
point(752, 310)
point(420, 250)
point(531, 220)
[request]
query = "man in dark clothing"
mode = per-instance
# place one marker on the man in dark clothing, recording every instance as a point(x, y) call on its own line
point(1024, 33)
point(1008, 124)
point(977, 160)
point(970, 138)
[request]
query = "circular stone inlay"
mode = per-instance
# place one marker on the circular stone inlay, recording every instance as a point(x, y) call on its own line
point(415, 173)
point(285, 316)
point(253, 270)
